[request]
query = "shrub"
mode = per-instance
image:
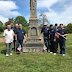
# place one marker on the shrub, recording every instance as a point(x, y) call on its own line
point(69, 28)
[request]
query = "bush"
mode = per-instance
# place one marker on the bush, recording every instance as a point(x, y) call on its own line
point(69, 28)
point(26, 29)
point(2, 28)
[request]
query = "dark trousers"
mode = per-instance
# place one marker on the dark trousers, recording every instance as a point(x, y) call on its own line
point(53, 46)
point(57, 42)
point(46, 41)
point(15, 44)
point(62, 47)
point(21, 43)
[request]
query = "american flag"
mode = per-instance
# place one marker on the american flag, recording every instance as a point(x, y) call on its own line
point(44, 48)
point(19, 48)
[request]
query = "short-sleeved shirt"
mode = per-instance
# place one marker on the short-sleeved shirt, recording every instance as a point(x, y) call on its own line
point(52, 34)
point(62, 32)
point(15, 30)
point(45, 32)
point(20, 34)
point(8, 35)
point(57, 30)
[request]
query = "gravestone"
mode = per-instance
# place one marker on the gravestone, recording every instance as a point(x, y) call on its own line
point(33, 43)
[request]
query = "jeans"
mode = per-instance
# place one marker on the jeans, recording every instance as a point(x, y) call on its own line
point(21, 43)
point(53, 46)
point(8, 48)
point(62, 47)
point(46, 41)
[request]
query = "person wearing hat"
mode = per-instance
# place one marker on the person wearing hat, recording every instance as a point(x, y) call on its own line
point(53, 47)
point(45, 31)
point(62, 39)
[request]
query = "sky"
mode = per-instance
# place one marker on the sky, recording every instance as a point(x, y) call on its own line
point(57, 11)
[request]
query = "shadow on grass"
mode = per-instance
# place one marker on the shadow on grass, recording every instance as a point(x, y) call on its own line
point(3, 52)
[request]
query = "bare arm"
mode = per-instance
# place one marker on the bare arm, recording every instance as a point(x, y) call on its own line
point(4, 39)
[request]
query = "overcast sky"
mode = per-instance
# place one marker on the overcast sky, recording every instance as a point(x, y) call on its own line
point(57, 11)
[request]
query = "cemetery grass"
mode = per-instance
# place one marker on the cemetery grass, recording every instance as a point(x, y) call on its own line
point(41, 62)
point(1, 35)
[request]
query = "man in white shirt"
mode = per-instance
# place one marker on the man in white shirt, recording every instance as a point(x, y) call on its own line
point(8, 39)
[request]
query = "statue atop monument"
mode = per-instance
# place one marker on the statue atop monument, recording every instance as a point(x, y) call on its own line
point(33, 9)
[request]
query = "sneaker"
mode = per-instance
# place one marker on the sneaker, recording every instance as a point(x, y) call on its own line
point(48, 50)
point(51, 52)
point(63, 54)
point(7, 54)
point(54, 53)
point(10, 53)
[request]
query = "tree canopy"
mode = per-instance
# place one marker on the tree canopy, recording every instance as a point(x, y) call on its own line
point(21, 20)
point(1, 24)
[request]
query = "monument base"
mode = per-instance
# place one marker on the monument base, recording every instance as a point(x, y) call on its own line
point(33, 46)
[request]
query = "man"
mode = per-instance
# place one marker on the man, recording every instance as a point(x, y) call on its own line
point(57, 30)
point(15, 37)
point(62, 40)
point(20, 36)
point(11, 23)
point(53, 47)
point(45, 32)
point(8, 39)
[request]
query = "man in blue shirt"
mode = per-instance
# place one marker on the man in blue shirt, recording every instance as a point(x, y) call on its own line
point(20, 36)
point(45, 32)
point(15, 37)
point(57, 30)
point(53, 47)
point(62, 40)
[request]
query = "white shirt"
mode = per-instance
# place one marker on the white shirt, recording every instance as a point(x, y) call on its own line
point(8, 35)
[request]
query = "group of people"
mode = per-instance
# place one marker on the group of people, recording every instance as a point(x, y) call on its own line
point(15, 35)
point(54, 35)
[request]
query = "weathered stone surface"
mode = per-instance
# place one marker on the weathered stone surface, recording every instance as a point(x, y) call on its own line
point(33, 44)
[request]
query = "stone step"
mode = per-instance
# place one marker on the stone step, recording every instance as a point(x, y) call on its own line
point(33, 45)
point(32, 49)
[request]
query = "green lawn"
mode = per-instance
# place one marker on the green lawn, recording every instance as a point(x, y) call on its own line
point(44, 62)
point(1, 35)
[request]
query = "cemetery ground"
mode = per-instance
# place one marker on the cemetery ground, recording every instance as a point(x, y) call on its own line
point(40, 62)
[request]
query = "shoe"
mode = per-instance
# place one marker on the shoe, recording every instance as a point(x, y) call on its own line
point(48, 50)
point(63, 54)
point(10, 53)
point(51, 52)
point(54, 53)
point(7, 55)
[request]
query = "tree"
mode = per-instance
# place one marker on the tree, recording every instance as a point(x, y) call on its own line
point(1, 24)
point(69, 28)
point(43, 19)
point(8, 22)
point(21, 20)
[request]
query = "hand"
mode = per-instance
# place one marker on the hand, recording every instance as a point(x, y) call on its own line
point(62, 35)
point(5, 42)
point(54, 40)
point(40, 38)
point(26, 38)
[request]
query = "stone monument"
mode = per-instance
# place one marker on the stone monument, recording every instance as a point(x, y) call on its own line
point(33, 43)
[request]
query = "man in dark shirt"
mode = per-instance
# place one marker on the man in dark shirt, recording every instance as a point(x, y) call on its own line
point(62, 40)
point(15, 37)
point(45, 32)
point(57, 30)
point(20, 36)
point(53, 47)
